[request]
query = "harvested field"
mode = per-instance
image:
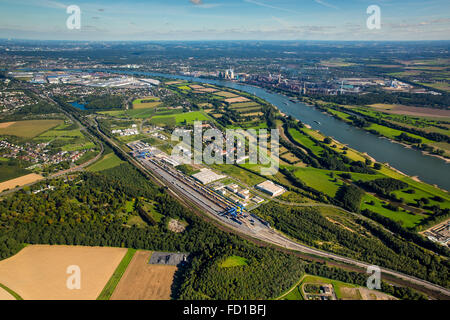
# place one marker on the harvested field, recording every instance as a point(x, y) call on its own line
point(374, 295)
point(207, 90)
point(20, 181)
point(5, 124)
point(244, 105)
point(253, 114)
point(412, 111)
point(39, 272)
point(196, 86)
point(363, 294)
point(174, 82)
point(237, 99)
point(144, 281)
point(226, 94)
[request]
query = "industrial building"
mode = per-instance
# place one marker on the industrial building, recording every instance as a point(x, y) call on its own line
point(206, 176)
point(270, 188)
point(232, 188)
point(244, 194)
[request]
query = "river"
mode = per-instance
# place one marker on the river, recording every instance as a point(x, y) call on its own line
point(412, 162)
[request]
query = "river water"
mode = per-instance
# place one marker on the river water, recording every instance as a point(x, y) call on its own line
point(410, 161)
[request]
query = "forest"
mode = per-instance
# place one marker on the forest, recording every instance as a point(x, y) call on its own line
point(89, 209)
point(370, 242)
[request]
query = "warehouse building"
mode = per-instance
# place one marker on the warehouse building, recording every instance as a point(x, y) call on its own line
point(206, 176)
point(270, 188)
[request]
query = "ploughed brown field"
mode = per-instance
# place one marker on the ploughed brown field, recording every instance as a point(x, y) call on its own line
point(143, 281)
point(20, 181)
point(39, 272)
point(412, 111)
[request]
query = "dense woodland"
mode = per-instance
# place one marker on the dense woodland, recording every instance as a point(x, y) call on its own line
point(105, 102)
point(366, 241)
point(409, 99)
point(89, 209)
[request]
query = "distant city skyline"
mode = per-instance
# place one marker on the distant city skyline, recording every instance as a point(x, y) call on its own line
point(225, 20)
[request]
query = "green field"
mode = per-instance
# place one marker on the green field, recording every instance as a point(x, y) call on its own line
point(108, 161)
point(233, 261)
point(140, 104)
point(407, 220)
point(238, 173)
point(73, 139)
point(319, 179)
point(305, 141)
point(141, 113)
point(149, 207)
point(78, 146)
point(180, 118)
point(244, 105)
point(28, 128)
point(392, 133)
point(108, 290)
point(11, 172)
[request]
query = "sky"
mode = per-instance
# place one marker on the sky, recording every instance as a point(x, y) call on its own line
point(150, 20)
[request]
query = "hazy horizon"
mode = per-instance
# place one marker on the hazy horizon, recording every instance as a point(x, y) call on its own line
point(202, 20)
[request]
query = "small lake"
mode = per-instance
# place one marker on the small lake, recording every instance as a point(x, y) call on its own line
point(78, 105)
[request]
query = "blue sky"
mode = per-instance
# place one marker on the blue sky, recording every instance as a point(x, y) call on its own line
point(225, 20)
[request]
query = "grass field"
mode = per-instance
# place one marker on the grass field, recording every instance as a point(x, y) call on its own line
point(117, 275)
point(244, 105)
point(11, 172)
point(141, 113)
point(406, 219)
point(392, 133)
point(238, 173)
point(225, 94)
point(234, 261)
point(27, 128)
point(108, 161)
point(146, 103)
point(319, 180)
point(305, 141)
point(179, 118)
point(39, 272)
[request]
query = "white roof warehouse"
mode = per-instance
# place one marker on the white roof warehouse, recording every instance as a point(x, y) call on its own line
point(270, 188)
